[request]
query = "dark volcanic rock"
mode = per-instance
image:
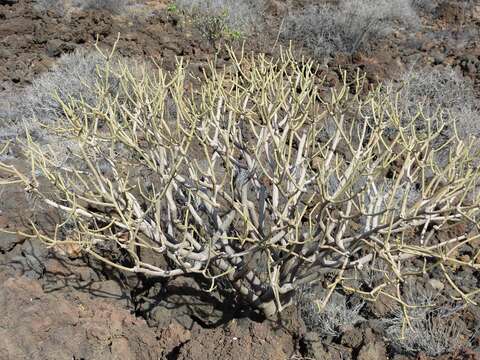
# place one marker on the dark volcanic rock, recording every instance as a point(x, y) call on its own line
point(8, 2)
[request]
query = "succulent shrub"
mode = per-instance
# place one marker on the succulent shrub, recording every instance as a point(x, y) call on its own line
point(254, 177)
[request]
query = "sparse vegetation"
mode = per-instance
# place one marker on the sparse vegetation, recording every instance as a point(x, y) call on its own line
point(74, 76)
point(347, 26)
point(64, 6)
point(223, 19)
point(338, 314)
point(439, 92)
point(426, 5)
point(429, 6)
point(115, 6)
point(426, 326)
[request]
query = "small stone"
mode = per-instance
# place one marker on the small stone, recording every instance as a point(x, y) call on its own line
point(401, 357)
point(382, 306)
point(172, 336)
point(436, 284)
point(476, 13)
point(438, 57)
point(111, 289)
point(352, 338)
point(120, 349)
point(312, 336)
point(373, 350)
point(160, 316)
point(54, 47)
point(318, 351)
point(8, 241)
point(5, 54)
point(427, 46)
point(277, 7)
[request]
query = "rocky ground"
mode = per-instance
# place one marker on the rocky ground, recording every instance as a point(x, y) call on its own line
point(60, 305)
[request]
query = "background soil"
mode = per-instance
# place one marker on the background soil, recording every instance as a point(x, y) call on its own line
point(59, 305)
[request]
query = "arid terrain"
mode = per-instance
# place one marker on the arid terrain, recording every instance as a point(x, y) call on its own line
point(59, 304)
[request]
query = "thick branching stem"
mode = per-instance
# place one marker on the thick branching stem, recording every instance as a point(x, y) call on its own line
point(256, 178)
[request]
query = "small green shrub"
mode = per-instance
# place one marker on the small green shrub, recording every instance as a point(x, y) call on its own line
point(224, 19)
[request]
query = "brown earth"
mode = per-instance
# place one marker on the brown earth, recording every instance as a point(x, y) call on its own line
point(57, 305)
point(30, 40)
point(36, 324)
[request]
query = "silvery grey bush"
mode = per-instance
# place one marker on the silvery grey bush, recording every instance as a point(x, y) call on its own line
point(428, 325)
point(76, 76)
point(347, 26)
point(439, 91)
point(64, 6)
point(429, 6)
point(242, 16)
point(115, 6)
point(73, 76)
point(426, 5)
point(338, 315)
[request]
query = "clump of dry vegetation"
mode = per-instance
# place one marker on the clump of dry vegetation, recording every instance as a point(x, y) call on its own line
point(255, 178)
point(335, 317)
point(63, 6)
point(222, 19)
point(74, 76)
point(438, 92)
point(427, 326)
point(347, 26)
